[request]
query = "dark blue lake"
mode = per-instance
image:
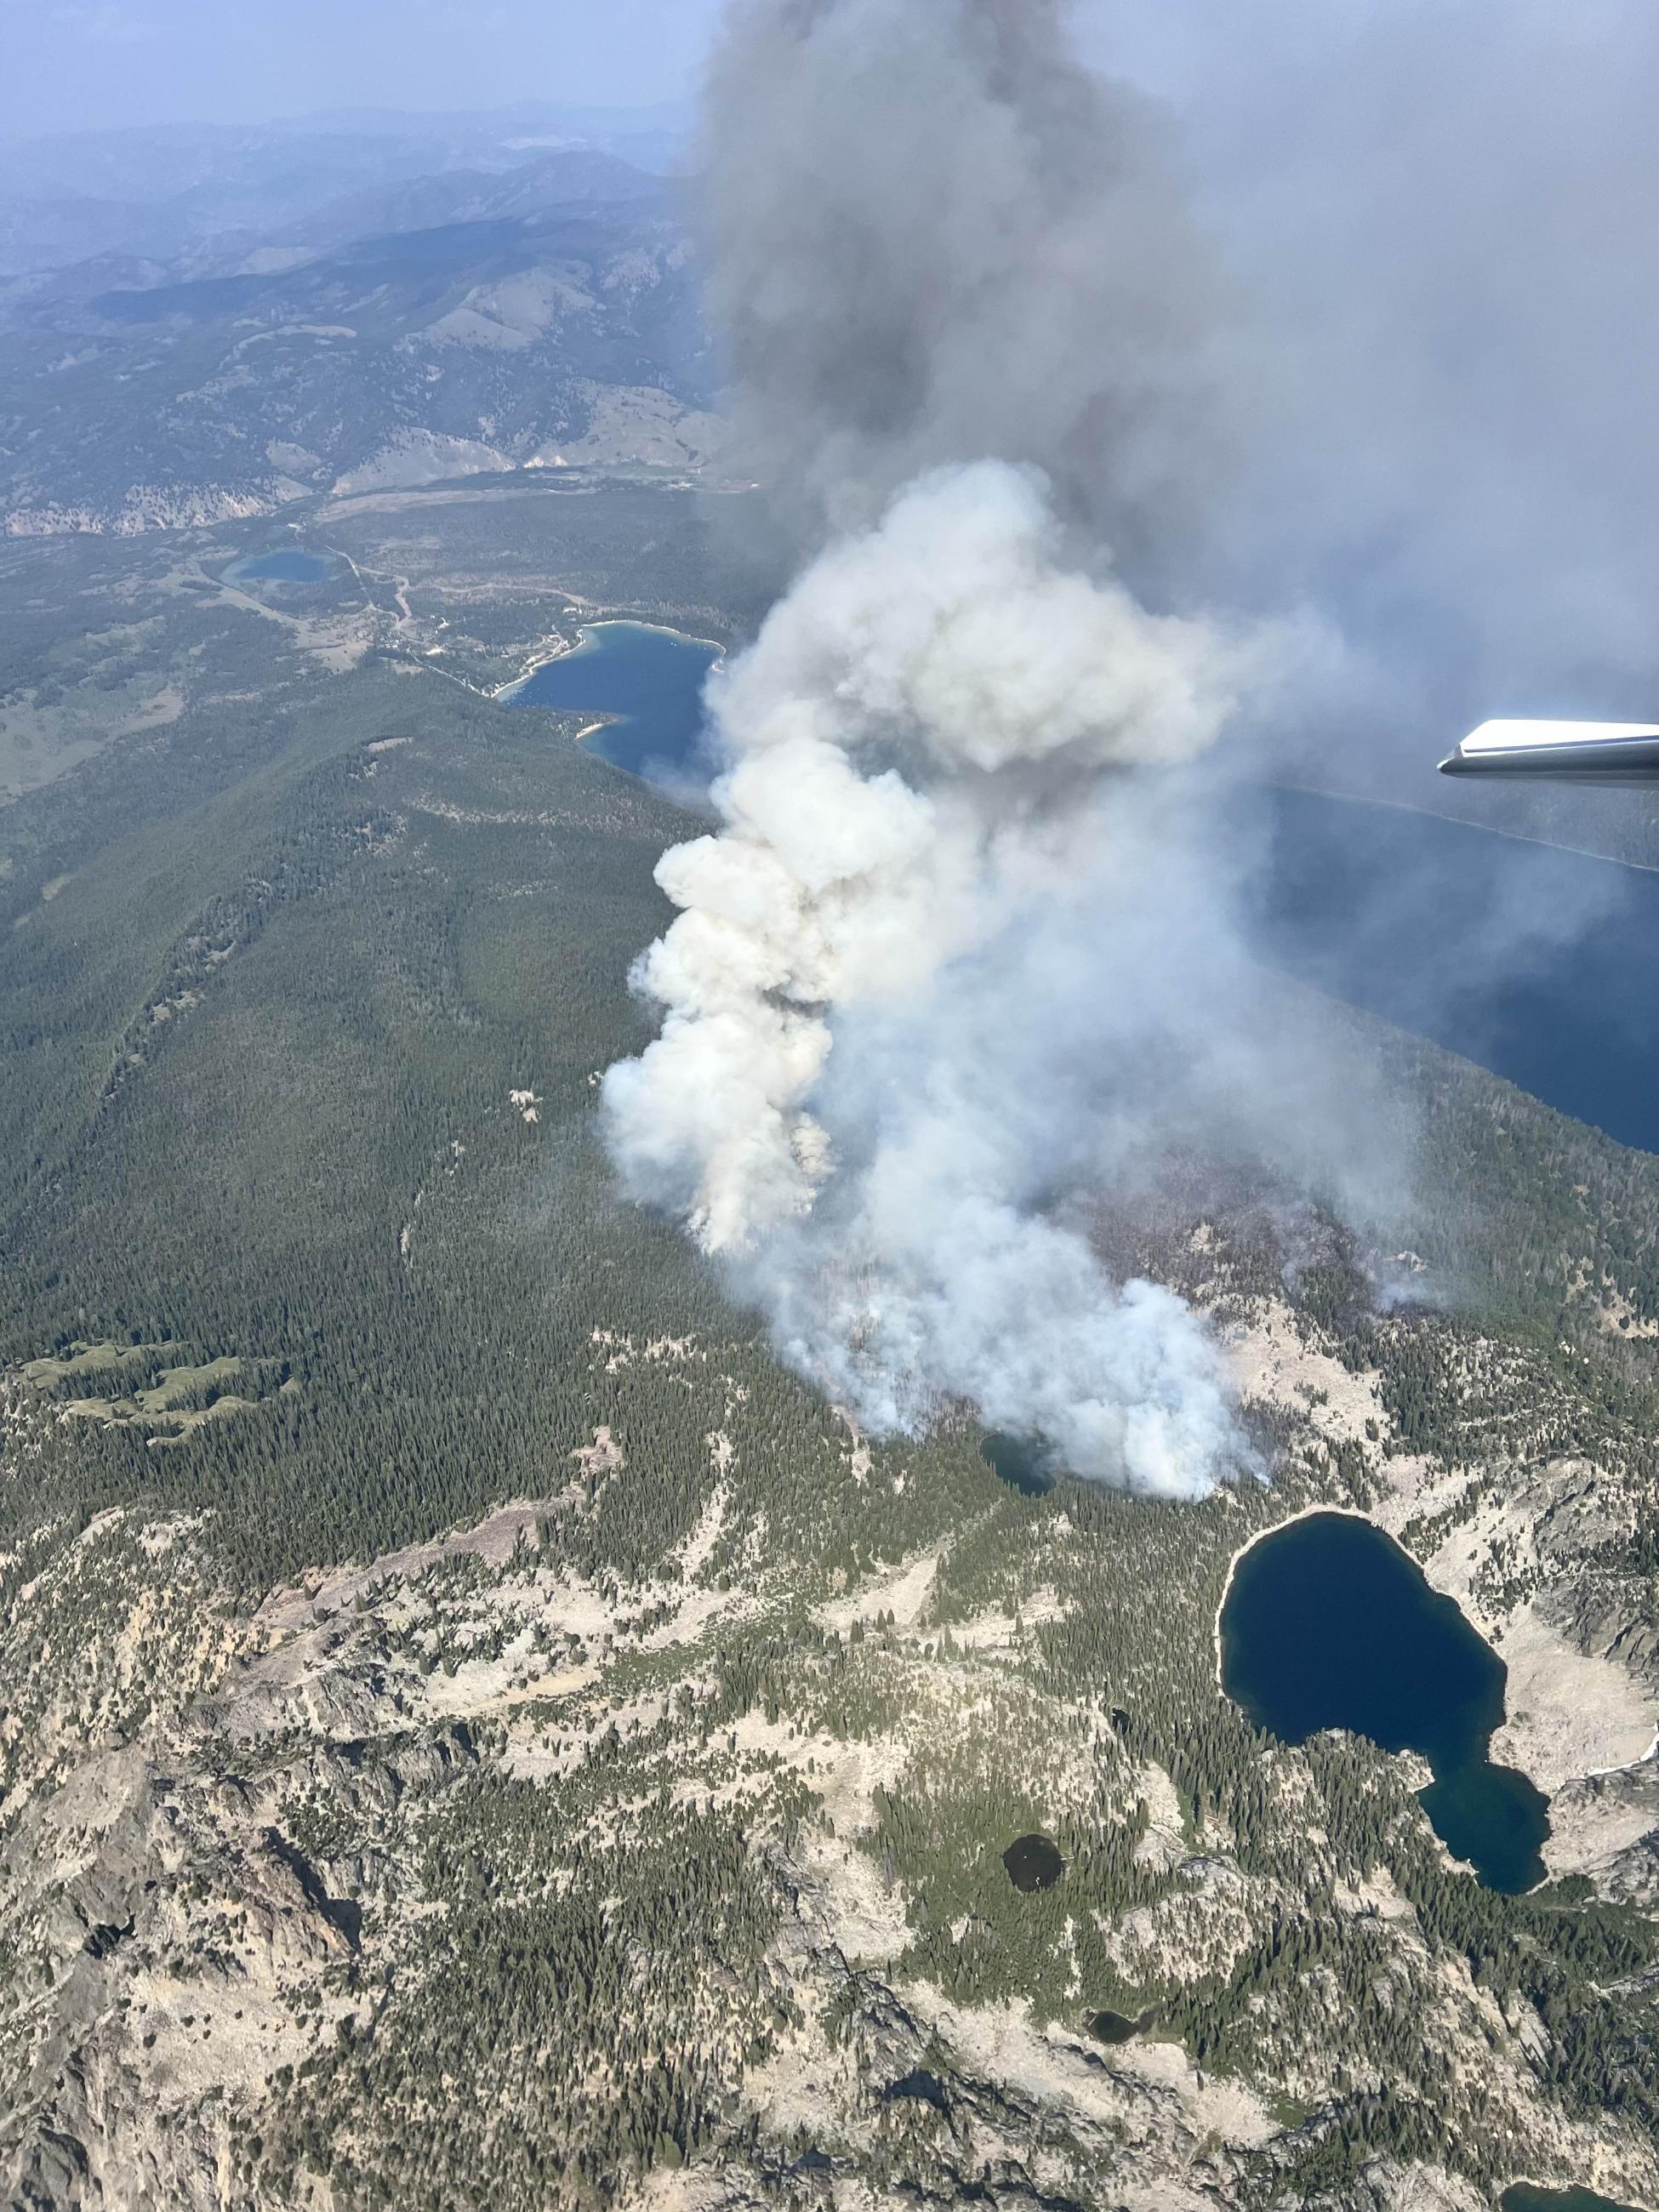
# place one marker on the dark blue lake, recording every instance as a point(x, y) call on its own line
point(1328, 1624)
point(1538, 963)
point(649, 681)
point(285, 564)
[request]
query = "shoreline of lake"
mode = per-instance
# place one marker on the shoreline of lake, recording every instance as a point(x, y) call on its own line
point(1338, 1627)
point(1301, 1513)
point(504, 693)
point(1558, 2197)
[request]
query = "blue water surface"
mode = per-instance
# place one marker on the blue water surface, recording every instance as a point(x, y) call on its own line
point(1328, 1624)
point(650, 681)
point(1537, 962)
point(285, 564)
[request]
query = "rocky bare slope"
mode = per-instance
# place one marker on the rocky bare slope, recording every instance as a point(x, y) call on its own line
point(245, 1855)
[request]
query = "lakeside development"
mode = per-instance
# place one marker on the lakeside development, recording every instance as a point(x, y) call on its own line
point(643, 681)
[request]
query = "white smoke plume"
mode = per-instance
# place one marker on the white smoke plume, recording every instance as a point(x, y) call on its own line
point(913, 741)
point(957, 956)
point(892, 735)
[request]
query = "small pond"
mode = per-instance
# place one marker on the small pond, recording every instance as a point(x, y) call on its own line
point(1033, 1862)
point(1115, 2027)
point(1328, 1624)
point(283, 564)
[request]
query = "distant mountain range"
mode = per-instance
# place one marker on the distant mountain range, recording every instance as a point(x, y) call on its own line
point(530, 307)
point(160, 192)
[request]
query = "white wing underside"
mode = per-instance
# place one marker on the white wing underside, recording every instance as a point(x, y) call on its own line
point(1574, 752)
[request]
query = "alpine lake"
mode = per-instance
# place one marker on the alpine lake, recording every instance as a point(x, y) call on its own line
point(1328, 1624)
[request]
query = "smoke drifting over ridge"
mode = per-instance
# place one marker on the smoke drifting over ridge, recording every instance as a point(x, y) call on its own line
point(947, 640)
point(953, 955)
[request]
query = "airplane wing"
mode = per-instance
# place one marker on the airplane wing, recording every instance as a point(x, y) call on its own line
point(1572, 752)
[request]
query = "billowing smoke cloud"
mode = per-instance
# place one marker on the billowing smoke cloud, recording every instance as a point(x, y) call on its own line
point(960, 951)
point(910, 738)
point(933, 237)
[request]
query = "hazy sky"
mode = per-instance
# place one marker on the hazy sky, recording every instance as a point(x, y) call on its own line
point(83, 64)
point(96, 64)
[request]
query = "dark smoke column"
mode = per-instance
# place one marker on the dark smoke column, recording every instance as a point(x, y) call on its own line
point(934, 237)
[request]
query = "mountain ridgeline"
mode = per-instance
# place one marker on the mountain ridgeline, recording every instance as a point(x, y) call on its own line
point(540, 313)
